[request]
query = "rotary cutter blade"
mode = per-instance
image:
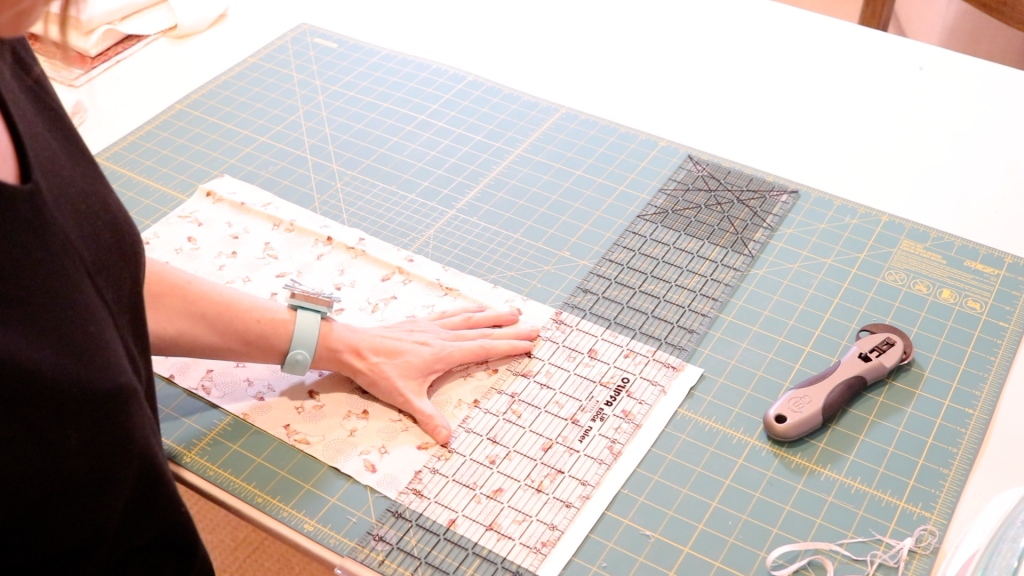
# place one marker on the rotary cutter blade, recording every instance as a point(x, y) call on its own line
point(806, 406)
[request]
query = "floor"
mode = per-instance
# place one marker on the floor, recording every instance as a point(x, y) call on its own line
point(239, 549)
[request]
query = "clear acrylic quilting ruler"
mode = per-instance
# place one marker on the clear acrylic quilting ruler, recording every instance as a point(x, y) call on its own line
point(527, 459)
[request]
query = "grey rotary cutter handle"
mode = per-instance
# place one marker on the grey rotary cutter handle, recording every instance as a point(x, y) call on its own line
point(806, 406)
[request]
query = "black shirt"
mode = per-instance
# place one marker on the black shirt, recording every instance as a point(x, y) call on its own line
point(84, 483)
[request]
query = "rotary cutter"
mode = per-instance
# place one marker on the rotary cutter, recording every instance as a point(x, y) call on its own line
point(806, 406)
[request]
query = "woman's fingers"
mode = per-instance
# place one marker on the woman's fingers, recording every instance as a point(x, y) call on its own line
point(430, 420)
point(481, 319)
point(514, 333)
point(484, 350)
point(444, 314)
point(398, 362)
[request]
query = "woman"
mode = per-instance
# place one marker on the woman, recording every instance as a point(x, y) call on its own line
point(85, 486)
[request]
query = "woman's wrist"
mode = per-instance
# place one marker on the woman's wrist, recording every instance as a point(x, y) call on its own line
point(335, 344)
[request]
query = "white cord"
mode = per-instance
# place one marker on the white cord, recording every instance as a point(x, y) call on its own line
point(922, 541)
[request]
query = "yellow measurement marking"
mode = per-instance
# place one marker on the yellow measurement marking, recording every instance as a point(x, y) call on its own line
point(213, 433)
point(327, 43)
point(137, 177)
point(802, 462)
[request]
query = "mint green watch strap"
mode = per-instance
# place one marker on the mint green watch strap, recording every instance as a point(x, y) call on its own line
point(304, 338)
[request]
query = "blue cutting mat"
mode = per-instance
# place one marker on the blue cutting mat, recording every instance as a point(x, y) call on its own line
point(527, 194)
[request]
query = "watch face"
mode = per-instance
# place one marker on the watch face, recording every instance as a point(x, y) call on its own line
point(310, 299)
point(300, 294)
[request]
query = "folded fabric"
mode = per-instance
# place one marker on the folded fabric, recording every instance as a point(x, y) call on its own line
point(185, 16)
point(87, 15)
point(91, 43)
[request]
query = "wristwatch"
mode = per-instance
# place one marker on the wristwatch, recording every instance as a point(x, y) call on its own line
point(310, 307)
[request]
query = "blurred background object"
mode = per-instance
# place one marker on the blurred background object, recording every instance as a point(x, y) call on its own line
point(100, 33)
point(989, 29)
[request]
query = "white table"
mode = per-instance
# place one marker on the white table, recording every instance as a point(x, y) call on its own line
point(915, 130)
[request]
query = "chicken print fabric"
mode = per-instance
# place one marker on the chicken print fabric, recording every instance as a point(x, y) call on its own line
point(238, 235)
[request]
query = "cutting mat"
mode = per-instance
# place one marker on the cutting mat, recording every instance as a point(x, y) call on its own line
point(527, 194)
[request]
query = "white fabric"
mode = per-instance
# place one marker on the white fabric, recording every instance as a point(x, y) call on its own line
point(922, 541)
point(241, 236)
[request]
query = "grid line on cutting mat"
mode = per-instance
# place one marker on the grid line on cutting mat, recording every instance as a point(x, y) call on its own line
point(413, 141)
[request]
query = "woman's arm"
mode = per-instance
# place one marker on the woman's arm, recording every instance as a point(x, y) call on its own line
point(194, 317)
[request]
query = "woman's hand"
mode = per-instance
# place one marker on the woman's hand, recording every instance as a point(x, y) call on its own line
point(397, 362)
point(193, 317)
